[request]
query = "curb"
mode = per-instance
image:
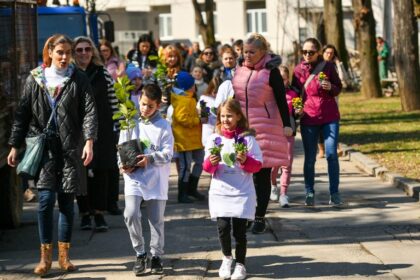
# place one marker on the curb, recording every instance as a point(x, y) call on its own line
point(371, 167)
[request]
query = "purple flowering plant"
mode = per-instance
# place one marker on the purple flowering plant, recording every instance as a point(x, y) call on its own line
point(204, 110)
point(240, 144)
point(217, 148)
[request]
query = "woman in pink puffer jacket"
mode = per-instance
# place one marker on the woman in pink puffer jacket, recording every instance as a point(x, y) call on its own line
point(259, 88)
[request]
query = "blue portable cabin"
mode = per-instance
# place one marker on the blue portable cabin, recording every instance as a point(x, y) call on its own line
point(68, 20)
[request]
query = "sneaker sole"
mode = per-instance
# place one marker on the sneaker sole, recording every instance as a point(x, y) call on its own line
point(153, 271)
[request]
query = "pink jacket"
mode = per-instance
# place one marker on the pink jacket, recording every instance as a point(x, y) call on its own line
point(320, 105)
point(252, 90)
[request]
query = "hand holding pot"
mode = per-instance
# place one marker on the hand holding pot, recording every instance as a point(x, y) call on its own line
point(241, 157)
point(214, 159)
point(143, 161)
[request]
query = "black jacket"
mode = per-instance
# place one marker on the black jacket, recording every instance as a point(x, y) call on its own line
point(62, 168)
point(104, 149)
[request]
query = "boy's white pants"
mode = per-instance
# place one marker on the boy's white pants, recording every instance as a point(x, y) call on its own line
point(155, 210)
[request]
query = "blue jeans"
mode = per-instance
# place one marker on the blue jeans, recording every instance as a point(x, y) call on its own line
point(310, 134)
point(185, 162)
point(47, 199)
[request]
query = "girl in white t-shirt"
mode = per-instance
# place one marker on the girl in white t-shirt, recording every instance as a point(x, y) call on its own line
point(231, 155)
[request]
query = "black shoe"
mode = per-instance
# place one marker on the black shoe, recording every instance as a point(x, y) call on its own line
point(192, 188)
point(140, 264)
point(156, 265)
point(100, 224)
point(86, 223)
point(182, 192)
point(113, 209)
point(258, 226)
point(184, 199)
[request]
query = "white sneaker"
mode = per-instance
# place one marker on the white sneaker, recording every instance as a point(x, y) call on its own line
point(284, 201)
point(225, 268)
point(239, 273)
point(274, 196)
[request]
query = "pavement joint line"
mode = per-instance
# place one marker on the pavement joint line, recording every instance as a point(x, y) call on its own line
point(371, 167)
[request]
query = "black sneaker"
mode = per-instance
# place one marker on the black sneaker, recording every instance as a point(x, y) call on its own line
point(258, 226)
point(100, 224)
point(140, 264)
point(86, 223)
point(156, 265)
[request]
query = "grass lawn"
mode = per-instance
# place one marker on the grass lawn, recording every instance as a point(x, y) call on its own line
point(379, 129)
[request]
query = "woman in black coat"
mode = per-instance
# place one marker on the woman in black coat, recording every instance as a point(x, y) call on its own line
point(100, 171)
point(57, 84)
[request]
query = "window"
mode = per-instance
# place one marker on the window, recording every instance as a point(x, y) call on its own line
point(165, 26)
point(256, 20)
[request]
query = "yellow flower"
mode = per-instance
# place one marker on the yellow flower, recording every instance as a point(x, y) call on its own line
point(297, 103)
point(322, 76)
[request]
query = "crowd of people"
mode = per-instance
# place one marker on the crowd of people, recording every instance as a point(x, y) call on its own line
point(231, 111)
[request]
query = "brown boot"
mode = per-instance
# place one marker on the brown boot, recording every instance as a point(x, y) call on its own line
point(321, 152)
point(46, 260)
point(63, 257)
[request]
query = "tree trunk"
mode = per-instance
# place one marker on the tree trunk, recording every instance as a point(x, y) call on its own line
point(364, 24)
point(334, 30)
point(406, 55)
point(206, 29)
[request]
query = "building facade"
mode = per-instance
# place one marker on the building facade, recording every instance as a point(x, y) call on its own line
point(282, 22)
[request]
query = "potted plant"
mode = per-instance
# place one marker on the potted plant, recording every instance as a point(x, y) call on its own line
point(126, 115)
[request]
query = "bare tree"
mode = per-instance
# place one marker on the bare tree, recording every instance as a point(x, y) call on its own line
point(334, 30)
point(406, 55)
point(364, 24)
point(206, 28)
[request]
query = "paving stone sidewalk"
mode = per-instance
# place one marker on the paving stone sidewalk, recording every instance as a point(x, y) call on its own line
point(376, 236)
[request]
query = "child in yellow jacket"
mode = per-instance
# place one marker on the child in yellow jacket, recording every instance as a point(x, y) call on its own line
point(186, 128)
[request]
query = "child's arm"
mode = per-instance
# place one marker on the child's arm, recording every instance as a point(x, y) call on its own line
point(209, 167)
point(164, 155)
point(251, 165)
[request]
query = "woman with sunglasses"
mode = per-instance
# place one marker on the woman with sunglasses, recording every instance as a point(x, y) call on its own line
point(113, 64)
point(319, 84)
point(56, 86)
point(103, 171)
point(208, 62)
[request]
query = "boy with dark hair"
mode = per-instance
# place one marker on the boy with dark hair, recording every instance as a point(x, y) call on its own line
point(149, 179)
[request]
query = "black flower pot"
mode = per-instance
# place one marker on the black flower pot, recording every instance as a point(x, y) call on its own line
point(129, 151)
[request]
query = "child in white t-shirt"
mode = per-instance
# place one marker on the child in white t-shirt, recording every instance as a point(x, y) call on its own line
point(149, 179)
point(232, 155)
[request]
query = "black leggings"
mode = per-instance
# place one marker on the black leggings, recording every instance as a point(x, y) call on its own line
point(239, 233)
point(262, 182)
point(97, 191)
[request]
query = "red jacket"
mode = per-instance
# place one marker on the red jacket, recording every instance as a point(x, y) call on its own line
point(320, 105)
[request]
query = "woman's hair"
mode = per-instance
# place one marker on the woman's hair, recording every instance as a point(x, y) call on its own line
point(50, 45)
point(258, 41)
point(96, 58)
point(146, 38)
point(315, 42)
point(171, 49)
point(228, 49)
point(107, 44)
point(153, 92)
point(238, 43)
point(329, 46)
point(234, 106)
point(213, 86)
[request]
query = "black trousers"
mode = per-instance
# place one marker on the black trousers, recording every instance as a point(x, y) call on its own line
point(224, 226)
point(262, 184)
point(97, 192)
point(114, 186)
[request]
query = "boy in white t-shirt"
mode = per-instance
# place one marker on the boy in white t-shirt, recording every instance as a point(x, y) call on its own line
point(149, 180)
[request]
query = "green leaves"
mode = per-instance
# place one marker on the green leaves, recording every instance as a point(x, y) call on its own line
point(229, 159)
point(127, 109)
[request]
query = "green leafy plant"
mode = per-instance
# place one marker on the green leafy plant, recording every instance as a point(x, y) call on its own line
point(126, 109)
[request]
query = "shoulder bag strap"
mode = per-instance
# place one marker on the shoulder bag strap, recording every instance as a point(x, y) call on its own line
point(317, 69)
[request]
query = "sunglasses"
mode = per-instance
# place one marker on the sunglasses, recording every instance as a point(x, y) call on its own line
point(208, 53)
point(80, 50)
point(309, 53)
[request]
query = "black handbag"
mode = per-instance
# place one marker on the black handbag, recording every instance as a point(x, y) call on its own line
point(30, 164)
